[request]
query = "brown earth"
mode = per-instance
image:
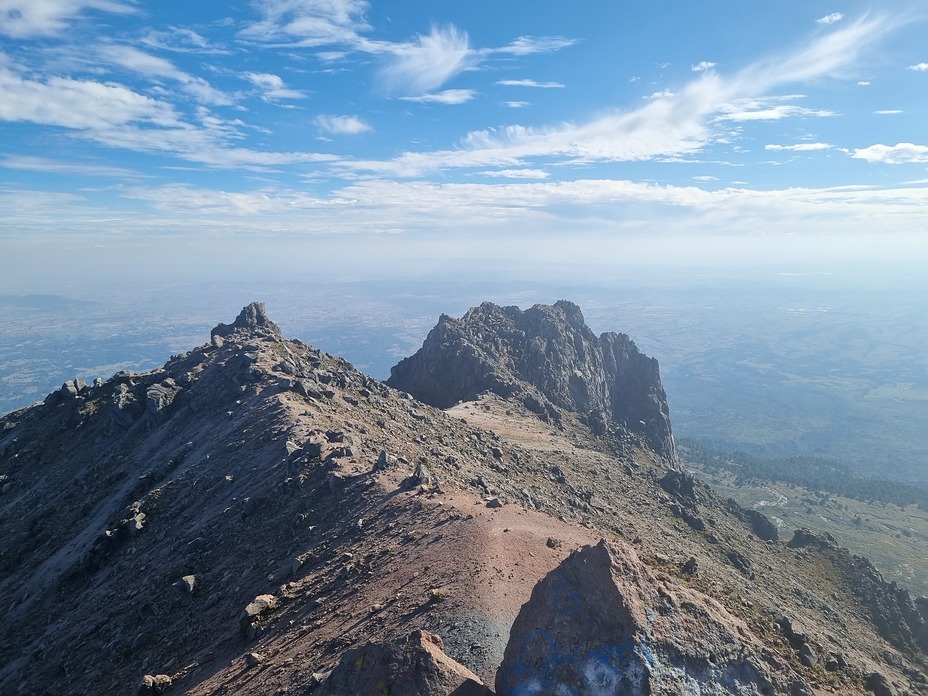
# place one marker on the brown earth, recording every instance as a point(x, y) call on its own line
point(261, 476)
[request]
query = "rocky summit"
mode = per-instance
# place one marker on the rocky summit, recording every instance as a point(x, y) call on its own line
point(257, 516)
point(550, 360)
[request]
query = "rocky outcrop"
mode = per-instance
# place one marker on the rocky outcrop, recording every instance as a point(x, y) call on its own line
point(603, 623)
point(898, 617)
point(549, 358)
point(414, 665)
point(253, 318)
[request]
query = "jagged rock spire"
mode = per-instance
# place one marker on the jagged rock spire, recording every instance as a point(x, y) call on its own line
point(549, 358)
point(253, 318)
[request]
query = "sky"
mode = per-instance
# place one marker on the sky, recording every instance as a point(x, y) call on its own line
point(163, 137)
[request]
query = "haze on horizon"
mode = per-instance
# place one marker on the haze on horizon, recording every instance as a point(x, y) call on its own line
point(189, 140)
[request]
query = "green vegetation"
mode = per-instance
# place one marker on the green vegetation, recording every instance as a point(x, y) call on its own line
point(811, 473)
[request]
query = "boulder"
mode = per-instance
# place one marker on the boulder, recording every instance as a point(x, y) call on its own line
point(602, 622)
point(415, 666)
point(250, 621)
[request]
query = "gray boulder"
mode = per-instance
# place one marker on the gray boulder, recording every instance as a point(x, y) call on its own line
point(415, 666)
point(602, 622)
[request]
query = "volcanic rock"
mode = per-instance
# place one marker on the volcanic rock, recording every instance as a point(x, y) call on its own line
point(253, 318)
point(416, 665)
point(603, 623)
point(550, 359)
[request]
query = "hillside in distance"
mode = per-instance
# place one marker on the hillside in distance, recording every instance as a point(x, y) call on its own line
point(246, 516)
point(773, 364)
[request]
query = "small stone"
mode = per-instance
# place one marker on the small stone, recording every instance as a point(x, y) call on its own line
point(186, 584)
point(253, 659)
point(553, 543)
point(494, 502)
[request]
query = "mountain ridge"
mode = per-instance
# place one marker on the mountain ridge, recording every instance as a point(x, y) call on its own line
point(550, 359)
point(239, 518)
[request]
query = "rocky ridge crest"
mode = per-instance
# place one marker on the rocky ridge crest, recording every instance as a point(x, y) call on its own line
point(239, 519)
point(547, 357)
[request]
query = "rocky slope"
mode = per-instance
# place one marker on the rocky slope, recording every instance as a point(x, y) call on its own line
point(548, 358)
point(241, 519)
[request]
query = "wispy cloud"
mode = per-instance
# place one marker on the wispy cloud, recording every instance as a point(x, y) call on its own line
point(342, 125)
point(26, 18)
point(79, 104)
point(830, 18)
point(50, 166)
point(674, 126)
point(116, 116)
point(702, 66)
point(131, 58)
point(180, 40)
point(529, 83)
point(518, 173)
point(448, 96)
point(428, 62)
point(516, 104)
point(800, 147)
point(272, 86)
point(888, 112)
point(766, 110)
point(308, 22)
point(901, 153)
point(526, 45)
point(919, 67)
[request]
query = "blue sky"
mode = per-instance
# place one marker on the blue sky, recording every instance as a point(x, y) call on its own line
point(596, 130)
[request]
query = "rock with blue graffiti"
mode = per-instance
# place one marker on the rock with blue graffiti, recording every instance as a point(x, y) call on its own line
point(604, 624)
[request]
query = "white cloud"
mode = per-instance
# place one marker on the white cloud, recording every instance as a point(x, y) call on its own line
point(901, 153)
point(529, 83)
point(766, 110)
point(272, 86)
point(428, 62)
point(831, 18)
point(526, 45)
point(800, 147)
point(50, 166)
point(702, 66)
point(24, 18)
point(115, 116)
point(888, 112)
point(448, 96)
point(863, 83)
point(308, 22)
point(705, 177)
point(180, 40)
point(516, 104)
point(342, 125)
point(919, 67)
point(137, 61)
point(518, 173)
point(79, 104)
point(673, 126)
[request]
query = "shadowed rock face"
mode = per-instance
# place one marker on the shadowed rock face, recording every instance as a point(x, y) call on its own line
point(603, 623)
point(416, 665)
point(547, 356)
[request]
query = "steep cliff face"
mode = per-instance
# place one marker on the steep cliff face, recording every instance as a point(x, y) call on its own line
point(548, 357)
